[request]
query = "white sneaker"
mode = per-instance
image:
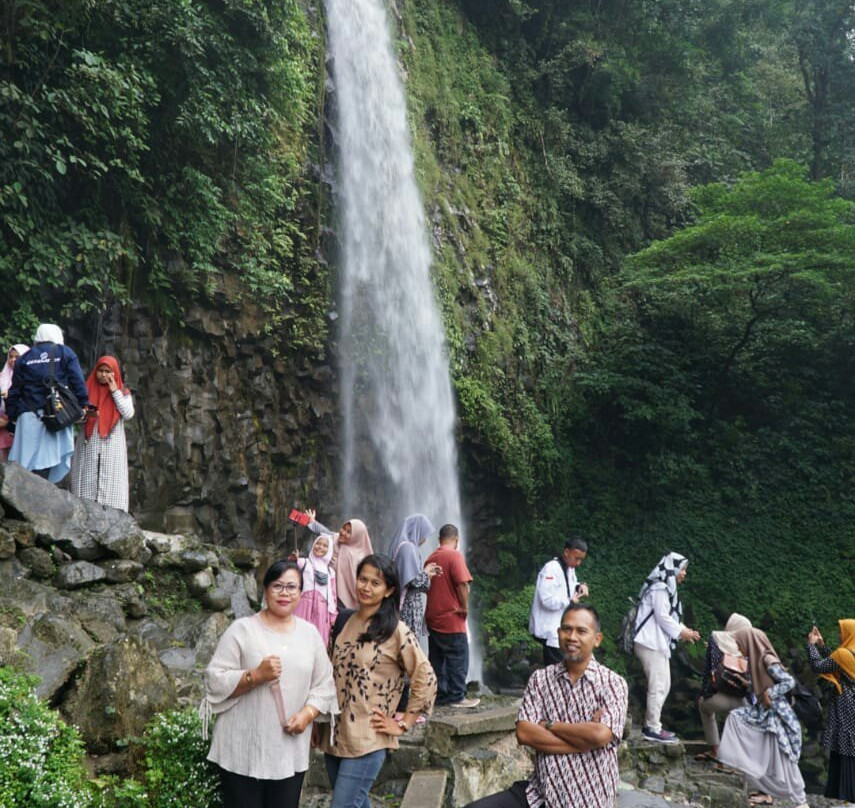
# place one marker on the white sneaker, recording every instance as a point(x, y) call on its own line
point(466, 703)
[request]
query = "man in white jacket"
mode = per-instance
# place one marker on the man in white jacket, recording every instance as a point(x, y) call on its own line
point(556, 589)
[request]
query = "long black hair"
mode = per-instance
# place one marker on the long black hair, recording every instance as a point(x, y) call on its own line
point(385, 620)
point(278, 568)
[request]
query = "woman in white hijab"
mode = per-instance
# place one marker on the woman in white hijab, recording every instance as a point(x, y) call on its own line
point(37, 449)
point(658, 626)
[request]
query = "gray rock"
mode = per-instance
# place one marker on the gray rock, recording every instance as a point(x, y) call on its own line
point(217, 599)
point(77, 574)
point(200, 582)
point(236, 587)
point(82, 528)
point(122, 687)
point(7, 544)
point(122, 570)
point(197, 560)
point(244, 558)
point(38, 561)
point(164, 542)
point(54, 646)
point(130, 600)
point(8, 645)
point(100, 613)
point(22, 531)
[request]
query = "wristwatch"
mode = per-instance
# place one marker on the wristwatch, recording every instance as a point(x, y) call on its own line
point(248, 677)
point(549, 724)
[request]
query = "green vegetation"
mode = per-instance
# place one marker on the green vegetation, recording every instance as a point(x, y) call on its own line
point(165, 591)
point(41, 757)
point(154, 150)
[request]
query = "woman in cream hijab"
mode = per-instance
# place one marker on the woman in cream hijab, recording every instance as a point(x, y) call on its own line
point(713, 700)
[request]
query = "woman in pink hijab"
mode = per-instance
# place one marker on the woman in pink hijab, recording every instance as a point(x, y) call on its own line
point(351, 545)
point(6, 437)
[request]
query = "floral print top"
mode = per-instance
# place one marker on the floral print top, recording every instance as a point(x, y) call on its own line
point(779, 718)
point(369, 675)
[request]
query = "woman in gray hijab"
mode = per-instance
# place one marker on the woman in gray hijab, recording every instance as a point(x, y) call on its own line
point(415, 581)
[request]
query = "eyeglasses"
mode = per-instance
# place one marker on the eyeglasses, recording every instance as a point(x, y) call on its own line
point(288, 589)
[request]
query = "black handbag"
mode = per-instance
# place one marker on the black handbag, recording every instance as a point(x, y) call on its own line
point(806, 706)
point(61, 406)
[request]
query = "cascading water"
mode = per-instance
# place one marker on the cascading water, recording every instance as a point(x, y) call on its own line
point(398, 410)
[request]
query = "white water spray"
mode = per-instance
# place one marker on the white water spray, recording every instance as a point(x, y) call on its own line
point(398, 410)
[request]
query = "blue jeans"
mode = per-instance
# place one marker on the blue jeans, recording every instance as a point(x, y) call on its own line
point(352, 778)
point(449, 657)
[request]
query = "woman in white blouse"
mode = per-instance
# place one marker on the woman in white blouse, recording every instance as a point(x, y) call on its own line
point(658, 626)
point(268, 680)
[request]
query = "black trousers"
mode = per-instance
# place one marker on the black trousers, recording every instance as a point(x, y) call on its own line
point(239, 791)
point(550, 655)
point(514, 797)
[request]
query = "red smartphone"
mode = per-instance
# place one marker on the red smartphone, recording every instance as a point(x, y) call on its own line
point(299, 518)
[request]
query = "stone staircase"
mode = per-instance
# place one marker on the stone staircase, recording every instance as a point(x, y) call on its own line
point(462, 755)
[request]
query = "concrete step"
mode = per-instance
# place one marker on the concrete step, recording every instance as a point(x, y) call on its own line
point(426, 789)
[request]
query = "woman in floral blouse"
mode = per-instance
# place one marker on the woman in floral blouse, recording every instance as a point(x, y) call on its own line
point(371, 655)
point(765, 740)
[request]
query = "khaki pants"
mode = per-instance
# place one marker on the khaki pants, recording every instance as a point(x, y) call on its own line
point(657, 669)
point(717, 703)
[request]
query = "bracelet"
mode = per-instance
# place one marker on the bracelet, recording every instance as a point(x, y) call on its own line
point(248, 677)
point(402, 725)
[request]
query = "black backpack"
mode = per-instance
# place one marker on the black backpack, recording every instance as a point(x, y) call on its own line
point(627, 631)
point(61, 406)
point(806, 706)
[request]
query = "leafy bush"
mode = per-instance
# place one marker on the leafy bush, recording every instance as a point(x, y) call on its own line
point(41, 757)
point(177, 772)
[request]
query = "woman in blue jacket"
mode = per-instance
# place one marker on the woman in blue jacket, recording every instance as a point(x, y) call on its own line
point(46, 453)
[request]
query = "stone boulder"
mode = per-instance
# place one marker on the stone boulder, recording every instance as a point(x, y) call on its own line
point(123, 686)
point(84, 529)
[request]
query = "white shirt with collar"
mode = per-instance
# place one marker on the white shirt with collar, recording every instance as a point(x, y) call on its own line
point(550, 600)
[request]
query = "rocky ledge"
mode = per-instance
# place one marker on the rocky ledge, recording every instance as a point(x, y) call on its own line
point(116, 621)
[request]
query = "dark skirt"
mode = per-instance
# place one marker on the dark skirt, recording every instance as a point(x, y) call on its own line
point(841, 777)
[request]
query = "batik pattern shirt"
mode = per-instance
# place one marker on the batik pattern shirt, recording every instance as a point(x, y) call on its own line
point(588, 779)
point(779, 718)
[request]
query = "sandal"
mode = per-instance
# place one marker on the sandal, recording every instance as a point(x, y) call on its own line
point(707, 757)
point(759, 798)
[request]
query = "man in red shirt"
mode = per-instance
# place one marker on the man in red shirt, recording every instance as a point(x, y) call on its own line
point(445, 616)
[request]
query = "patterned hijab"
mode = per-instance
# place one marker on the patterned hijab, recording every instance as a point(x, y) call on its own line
point(724, 639)
point(755, 645)
point(317, 573)
point(404, 549)
point(843, 655)
point(8, 370)
point(665, 574)
point(347, 560)
point(101, 397)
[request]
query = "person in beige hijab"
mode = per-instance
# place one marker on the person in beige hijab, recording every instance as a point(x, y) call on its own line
point(716, 699)
point(351, 544)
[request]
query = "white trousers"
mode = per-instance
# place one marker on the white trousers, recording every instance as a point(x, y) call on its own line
point(657, 669)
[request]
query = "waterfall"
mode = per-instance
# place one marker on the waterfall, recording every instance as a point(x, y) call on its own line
point(399, 454)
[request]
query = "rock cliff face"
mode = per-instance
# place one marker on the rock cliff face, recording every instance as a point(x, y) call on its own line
point(227, 436)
